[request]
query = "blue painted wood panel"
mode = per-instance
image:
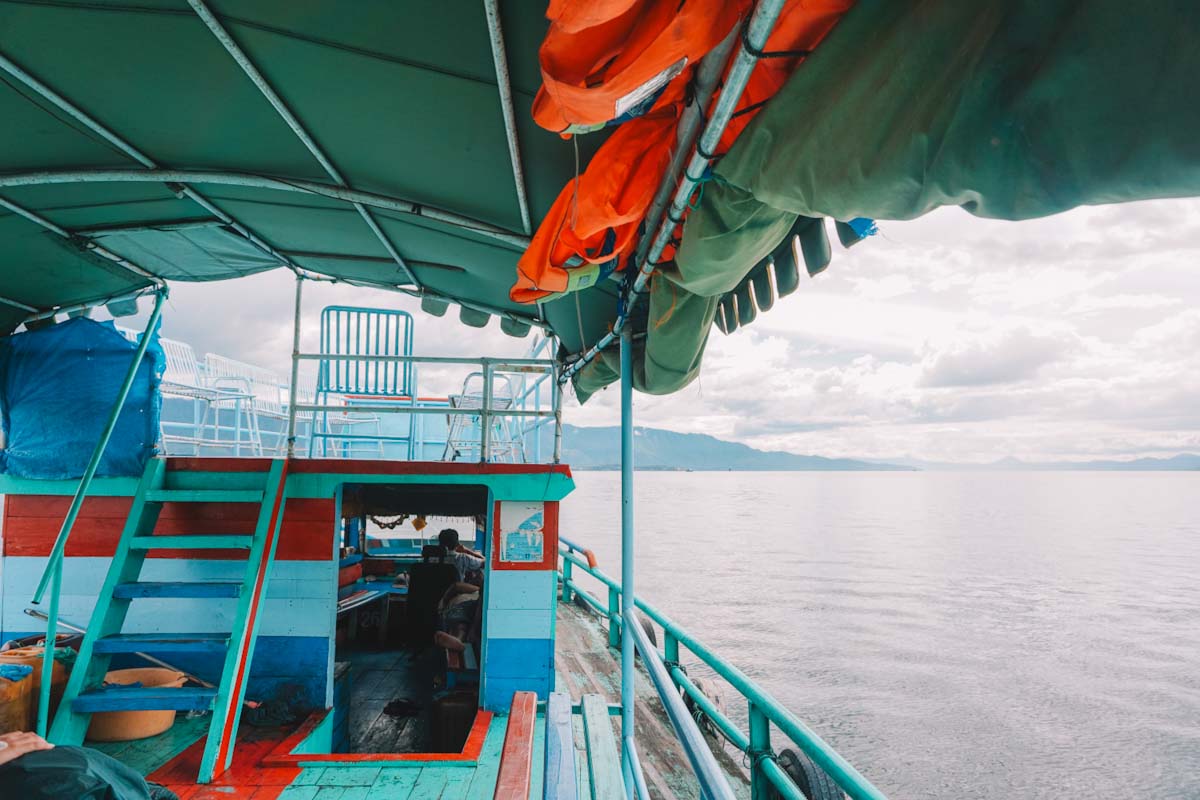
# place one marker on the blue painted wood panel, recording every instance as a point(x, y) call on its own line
point(520, 624)
point(522, 589)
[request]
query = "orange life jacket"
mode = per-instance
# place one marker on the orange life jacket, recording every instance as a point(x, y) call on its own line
point(605, 59)
point(592, 226)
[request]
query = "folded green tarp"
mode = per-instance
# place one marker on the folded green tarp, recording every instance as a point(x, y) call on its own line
point(1012, 109)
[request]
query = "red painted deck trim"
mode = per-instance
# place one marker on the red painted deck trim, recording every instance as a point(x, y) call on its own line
point(516, 759)
point(282, 755)
point(234, 701)
point(364, 466)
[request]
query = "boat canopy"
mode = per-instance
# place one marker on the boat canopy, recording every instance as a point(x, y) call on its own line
point(192, 141)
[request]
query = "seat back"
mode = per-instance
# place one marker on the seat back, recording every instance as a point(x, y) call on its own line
point(427, 582)
point(182, 368)
point(347, 330)
point(267, 387)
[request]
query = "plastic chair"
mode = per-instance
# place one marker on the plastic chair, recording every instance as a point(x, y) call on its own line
point(464, 437)
point(183, 380)
point(353, 331)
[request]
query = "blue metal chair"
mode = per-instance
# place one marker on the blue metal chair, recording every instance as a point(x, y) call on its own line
point(353, 331)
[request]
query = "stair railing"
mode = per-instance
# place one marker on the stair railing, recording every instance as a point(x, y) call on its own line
point(52, 575)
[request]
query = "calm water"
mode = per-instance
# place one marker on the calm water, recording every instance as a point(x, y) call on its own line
point(966, 635)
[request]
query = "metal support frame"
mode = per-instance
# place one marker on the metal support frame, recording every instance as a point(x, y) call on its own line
point(485, 415)
point(500, 57)
point(291, 429)
point(233, 178)
point(86, 243)
point(218, 30)
point(7, 301)
point(629, 597)
point(95, 126)
point(758, 30)
point(52, 575)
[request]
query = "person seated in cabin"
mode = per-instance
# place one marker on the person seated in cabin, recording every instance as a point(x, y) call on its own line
point(459, 615)
point(33, 769)
point(465, 559)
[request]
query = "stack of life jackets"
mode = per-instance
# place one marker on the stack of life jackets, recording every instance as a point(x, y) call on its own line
point(629, 63)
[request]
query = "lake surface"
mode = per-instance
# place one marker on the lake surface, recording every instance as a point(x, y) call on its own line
point(954, 635)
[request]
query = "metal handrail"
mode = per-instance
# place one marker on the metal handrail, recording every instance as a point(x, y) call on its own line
point(764, 709)
point(713, 783)
point(52, 575)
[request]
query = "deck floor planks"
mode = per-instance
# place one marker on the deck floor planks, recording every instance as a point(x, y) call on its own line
point(585, 665)
point(379, 678)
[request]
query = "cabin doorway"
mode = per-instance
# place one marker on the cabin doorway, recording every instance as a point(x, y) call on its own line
point(409, 617)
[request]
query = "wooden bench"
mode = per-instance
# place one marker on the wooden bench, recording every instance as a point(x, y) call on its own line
point(603, 773)
point(561, 781)
point(515, 778)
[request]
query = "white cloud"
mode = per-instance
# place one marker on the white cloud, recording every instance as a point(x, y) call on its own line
point(946, 338)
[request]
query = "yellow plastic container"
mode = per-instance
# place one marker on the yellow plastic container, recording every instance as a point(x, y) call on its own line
point(15, 702)
point(32, 656)
point(124, 726)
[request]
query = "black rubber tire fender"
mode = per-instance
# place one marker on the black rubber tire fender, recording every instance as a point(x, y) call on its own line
point(809, 778)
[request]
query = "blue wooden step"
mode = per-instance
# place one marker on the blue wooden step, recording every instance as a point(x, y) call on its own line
point(204, 496)
point(215, 643)
point(129, 591)
point(216, 541)
point(141, 698)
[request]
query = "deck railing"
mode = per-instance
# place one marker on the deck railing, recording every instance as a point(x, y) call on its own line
point(763, 709)
point(487, 410)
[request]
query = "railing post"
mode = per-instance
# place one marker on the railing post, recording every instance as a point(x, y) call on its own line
point(291, 432)
point(628, 595)
point(670, 647)
point(485, 415)
point(614, 618)
point(43, 714)
point(760, 747)
point(556, 400)
point(567, 571)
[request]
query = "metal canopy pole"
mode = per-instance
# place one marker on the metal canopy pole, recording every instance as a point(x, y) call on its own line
point(291, 433)
point(288, 117)
point(94, 125)
point(500, 57)
point(344, 193)
point(755, 39)
point(628, 598)
point(82, 241)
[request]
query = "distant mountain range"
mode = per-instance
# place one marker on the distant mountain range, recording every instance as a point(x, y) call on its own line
point(1181, 463)
point(658, 449)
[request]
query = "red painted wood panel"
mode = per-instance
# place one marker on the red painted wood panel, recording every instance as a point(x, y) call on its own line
point(516, 759)
point(32, 522)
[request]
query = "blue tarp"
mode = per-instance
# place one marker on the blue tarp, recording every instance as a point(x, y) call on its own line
point(57, 387)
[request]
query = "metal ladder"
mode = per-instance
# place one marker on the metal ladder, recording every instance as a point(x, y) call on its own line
point(86, 693)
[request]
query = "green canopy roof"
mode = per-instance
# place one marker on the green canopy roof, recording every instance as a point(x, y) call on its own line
point(206, 139)
point(401, 99)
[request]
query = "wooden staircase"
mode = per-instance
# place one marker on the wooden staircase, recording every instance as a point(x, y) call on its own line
point(86, 693)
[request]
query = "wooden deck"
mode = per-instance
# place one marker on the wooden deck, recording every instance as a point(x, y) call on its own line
point(585, 665)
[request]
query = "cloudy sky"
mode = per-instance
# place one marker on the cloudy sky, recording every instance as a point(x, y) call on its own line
point(949, 338)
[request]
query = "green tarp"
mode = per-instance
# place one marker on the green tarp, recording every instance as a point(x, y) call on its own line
point(1009, 108)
